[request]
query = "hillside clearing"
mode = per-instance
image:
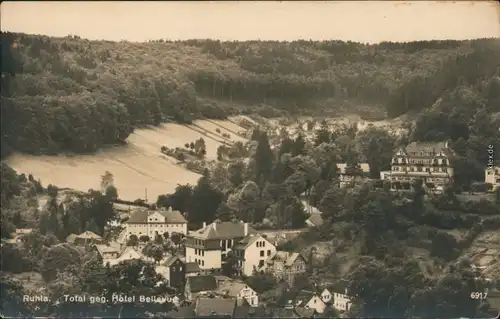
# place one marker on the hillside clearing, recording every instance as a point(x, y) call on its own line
point(135, 167)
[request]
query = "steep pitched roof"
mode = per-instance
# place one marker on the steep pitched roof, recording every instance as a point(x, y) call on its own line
point(285, 257)
point(89, 235)
point(414, 148)
point(192, 267)
point(171, 260)
point(222, 230)
point(339, 287)
point(247, 241)
point(316, 219)
point(232, 288)
point(102, 249)
point(202, 283)
point(303, 297)
point(245, 311)
point(214, 307)
point(140, 216)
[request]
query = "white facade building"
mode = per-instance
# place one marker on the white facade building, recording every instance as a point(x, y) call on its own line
point(208, 246)
point(240, 291)
point(155, 222)
point(341, 299)
point(252, 252)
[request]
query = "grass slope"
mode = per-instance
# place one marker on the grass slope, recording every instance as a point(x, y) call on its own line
point(135, 166)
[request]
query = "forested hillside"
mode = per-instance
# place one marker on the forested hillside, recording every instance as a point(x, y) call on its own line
point(71, 94)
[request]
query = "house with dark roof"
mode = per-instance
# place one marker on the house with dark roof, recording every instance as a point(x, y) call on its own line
point(208, 246)
point(298, 312)
point(87, 238)
point(173, 270)
point(181, 313)
point(286, 265)
point(429, 162)
point(146, 222)
point(215, 308)
point(192, 269)
point(199, 285)
point(251, 253)
point(246, 311)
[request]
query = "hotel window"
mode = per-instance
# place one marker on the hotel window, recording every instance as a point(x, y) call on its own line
point(269, 252)
point(419, 169)
point(229, 243)
point(261, 253)
point(443, 169)
point(203, 263)
point(428, 169)
point(263, 244)
point(203, 253)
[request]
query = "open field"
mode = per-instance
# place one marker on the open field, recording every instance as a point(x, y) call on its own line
point(136, 166)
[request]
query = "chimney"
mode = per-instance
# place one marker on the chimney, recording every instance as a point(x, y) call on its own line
point(245, 227)
point(204, 224)
point(170, 208)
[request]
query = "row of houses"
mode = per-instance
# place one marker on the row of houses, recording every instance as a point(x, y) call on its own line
point(240, 244)
point(314, 301)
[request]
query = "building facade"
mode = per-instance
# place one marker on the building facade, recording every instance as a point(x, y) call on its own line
point(155, 222)
point(341, 299)
point(208, 246)
point(385, 175)
point(252, 252)
point(174, 271)
point(286, 266)
point(429, 162)
point(492, 176)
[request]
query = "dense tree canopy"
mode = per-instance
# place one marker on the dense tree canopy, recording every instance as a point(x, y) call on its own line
point(87, 94)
